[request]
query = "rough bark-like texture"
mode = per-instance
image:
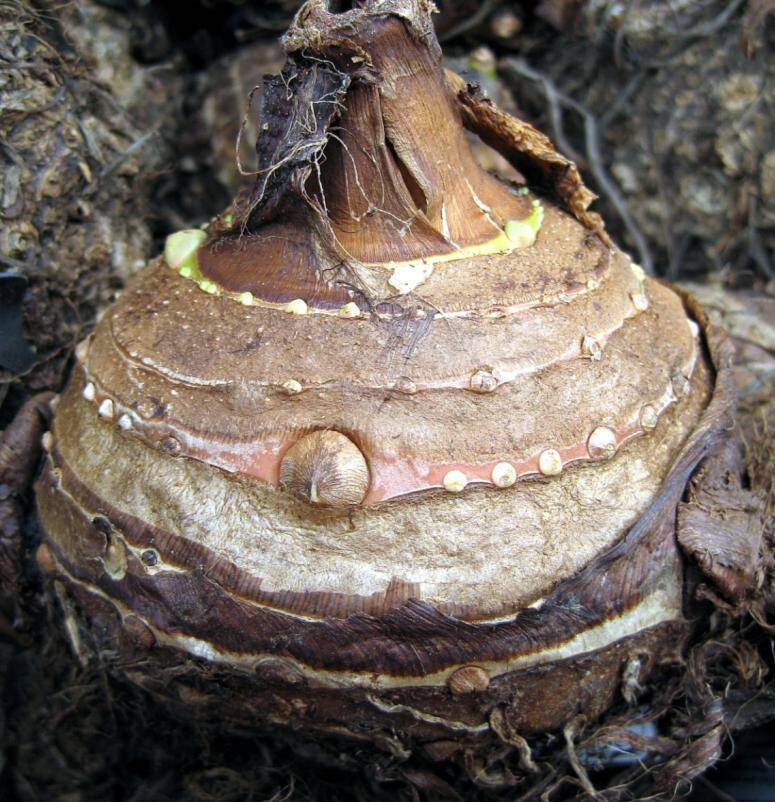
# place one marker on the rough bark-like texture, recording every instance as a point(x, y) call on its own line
point(721, 525)
point(72, 215)
point(740, 527)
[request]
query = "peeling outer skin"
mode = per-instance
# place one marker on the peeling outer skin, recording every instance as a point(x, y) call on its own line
point(387, 102)
point(720, 524)
point(20, 445)
point(529, 151)
point(532, 699)
point(634, 585)
point(314, 229)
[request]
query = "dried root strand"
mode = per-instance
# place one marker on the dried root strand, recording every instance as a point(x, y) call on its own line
point(20, 447)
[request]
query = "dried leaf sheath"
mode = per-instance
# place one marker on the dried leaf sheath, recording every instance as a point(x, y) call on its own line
point(529, 151)
point(398, 443)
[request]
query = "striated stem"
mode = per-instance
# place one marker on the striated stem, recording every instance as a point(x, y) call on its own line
point(399, 180)
point(363, 161)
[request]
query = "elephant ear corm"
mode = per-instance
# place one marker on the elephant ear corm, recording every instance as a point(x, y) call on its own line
point(391, 446)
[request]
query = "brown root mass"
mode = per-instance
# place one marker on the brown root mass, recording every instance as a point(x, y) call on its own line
point(665, 108)
point(74, 162)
